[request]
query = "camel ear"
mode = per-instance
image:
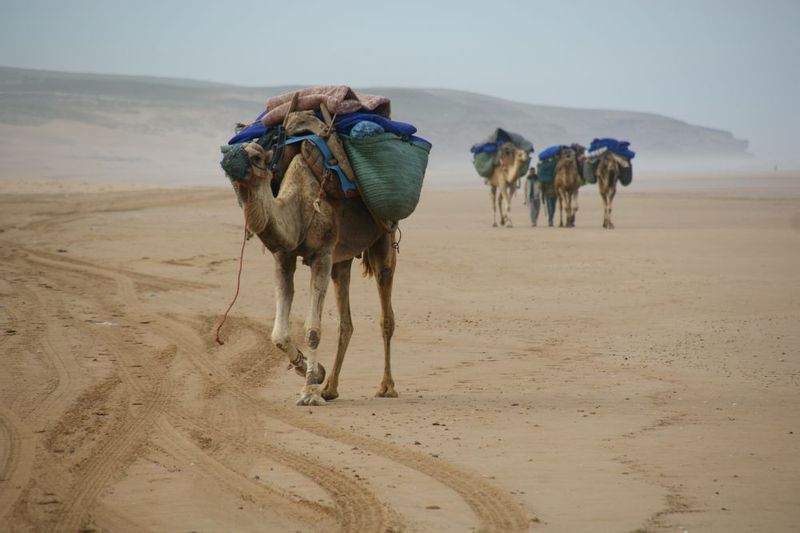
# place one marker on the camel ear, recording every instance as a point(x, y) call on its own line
point(254, 149)
point(256, 153)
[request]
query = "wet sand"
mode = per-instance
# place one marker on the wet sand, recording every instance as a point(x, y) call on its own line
point(641, 379)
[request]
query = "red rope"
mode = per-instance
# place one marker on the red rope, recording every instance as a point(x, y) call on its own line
point(238, 279)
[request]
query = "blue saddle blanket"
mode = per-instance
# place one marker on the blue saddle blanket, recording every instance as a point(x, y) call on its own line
point(549, 152)
point(613, 145)
point(343, 124)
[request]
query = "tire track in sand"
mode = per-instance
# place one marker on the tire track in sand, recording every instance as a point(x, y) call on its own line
point(17, 446)
point(107, 458)
point(177, 444)
point(495, 509)
point(357, 509)
point(110, 455)
point(20, 452)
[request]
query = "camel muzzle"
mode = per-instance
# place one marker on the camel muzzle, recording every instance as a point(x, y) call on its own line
point(235, 162)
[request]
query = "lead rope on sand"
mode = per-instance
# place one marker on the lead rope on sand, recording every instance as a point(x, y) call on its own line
point(238, 280)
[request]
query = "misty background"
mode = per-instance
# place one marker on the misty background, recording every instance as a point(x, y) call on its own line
point(148, 90)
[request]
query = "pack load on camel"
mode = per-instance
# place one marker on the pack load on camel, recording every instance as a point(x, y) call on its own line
point(548, 159)
point(485, 153)
point(619, 151)
point(323, 175)
point(349, 141)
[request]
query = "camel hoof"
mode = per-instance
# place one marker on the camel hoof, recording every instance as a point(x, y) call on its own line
point(386, 392)
point(509, 225)
point(494, 225)
point(310, 395)
point(329, 393)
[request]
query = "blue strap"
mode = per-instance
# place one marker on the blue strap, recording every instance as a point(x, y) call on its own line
point(327, 156)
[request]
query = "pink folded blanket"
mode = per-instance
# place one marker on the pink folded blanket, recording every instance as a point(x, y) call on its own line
point(339, 99)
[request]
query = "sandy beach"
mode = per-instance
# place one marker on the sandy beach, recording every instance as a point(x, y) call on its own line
point(643, 379)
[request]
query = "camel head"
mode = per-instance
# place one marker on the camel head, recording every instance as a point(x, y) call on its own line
point(510, 155)
point(506, 154)
point(606, 165)
point(516, 153)
point(521, 157)
point(243, 162)
point(247, 166)
point(610, 165)
point(567, 154)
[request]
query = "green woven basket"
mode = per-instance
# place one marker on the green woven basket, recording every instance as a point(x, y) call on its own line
point(483, 163)
point(589, 167)
point(523, 169)
point(547, 170)
point(626, 174)
point(388, 171)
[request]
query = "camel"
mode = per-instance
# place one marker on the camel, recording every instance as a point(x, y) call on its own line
point(607, 172)
point(293, 219)
point(567, 182)
point(505, 176)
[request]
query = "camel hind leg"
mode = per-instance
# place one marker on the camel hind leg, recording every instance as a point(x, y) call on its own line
point(382, 260)
point(604, 197)
point(493, 203)
point(340, 274)
point(611, 193)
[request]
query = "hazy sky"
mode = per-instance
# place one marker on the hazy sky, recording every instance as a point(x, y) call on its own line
point(728, 64)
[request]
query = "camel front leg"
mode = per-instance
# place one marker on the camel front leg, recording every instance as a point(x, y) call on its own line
point(605, 208)
point(285, 266)
point(560, 209)
point(383, 260)
point(500, 205)
point(492, 201)
point(315, 373)
point(508, 192)
point(340, 274)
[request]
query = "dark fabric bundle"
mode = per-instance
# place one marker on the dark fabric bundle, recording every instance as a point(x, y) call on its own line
point(499, 137)
point(485, 153)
